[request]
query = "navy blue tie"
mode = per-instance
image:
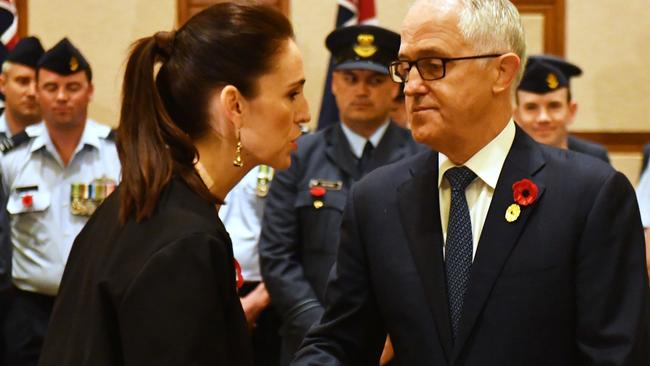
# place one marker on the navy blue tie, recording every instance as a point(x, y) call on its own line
point(458, 249)
point(364, 160)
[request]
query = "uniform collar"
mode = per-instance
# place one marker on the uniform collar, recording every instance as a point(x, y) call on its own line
point(3, 125)
point(91, 136)
point(358, 142)
point(488, 161)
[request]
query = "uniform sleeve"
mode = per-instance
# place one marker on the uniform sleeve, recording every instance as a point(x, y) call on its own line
point(182, 308)
point(611, 280)
point(279, 247)
point(351, 330)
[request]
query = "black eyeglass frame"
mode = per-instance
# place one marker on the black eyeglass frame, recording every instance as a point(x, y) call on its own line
point(393, 65)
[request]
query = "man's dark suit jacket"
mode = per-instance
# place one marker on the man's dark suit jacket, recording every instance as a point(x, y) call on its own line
point(158, 292)
point(589, 148)
point(298, 242)
point(564, 284)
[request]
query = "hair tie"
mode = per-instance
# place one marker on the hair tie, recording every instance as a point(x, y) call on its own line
point(165, 42)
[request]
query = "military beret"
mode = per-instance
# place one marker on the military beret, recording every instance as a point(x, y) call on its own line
point(545, 73)
point(64, 59)
point(363, 47)
point(26, 52)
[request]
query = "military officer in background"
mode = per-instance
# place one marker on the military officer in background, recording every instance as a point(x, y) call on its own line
point(545, 107)
point(18, 85)
point(54, 176)
point(300, 230)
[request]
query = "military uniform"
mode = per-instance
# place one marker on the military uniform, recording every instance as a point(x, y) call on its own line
point(300, 231)
point(587, 147)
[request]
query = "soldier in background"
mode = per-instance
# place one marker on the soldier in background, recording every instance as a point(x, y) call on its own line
point(300, 229)
point(545, 107)
point(54, 176)
point(18, 85)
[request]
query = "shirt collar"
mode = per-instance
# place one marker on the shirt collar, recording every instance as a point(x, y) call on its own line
point(93, 131)
point(3, 125)
point(487, 162)
point(358, 142)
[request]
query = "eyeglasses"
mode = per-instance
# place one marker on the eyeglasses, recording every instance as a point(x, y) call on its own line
point(429, 68)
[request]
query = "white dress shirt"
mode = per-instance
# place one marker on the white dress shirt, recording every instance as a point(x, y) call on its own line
point(643, 196)
point(242, 217)
point(486, 164)
point(42, 232)
point(358, 142)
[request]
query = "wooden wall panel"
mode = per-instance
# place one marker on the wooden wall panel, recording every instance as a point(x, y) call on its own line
point(187, 8)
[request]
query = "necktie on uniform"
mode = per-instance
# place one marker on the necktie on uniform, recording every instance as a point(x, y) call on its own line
point(364, 160)
point(458, 249)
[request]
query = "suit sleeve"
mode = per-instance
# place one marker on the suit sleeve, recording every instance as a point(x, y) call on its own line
point(280, 251)
point(351, 331)
point(182, 308)
point(611, 280)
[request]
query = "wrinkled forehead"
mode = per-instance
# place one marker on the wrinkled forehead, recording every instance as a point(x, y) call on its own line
point(431, 30)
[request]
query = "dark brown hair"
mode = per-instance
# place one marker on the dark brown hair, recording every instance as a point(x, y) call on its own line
point(226, 44)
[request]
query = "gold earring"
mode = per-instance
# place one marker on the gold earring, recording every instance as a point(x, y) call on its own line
point(237, 161)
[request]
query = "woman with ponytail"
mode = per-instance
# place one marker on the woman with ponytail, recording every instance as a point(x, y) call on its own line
point(151, 280)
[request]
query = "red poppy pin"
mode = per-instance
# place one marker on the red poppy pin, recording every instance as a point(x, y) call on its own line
point(318, 193)
point(524, 193)
point(240, 278)
point(27, 200)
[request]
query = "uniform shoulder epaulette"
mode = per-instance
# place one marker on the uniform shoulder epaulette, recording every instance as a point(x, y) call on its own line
point(9, 143)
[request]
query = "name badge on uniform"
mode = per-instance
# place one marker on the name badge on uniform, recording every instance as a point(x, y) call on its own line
point(85, 198)
point(334, 185)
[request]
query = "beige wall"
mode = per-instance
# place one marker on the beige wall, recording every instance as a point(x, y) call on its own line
point(608, 40)
point(103, 31)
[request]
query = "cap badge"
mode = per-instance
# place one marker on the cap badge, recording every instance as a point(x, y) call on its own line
point(365, 45)
point(551, 81)
point(74, 64)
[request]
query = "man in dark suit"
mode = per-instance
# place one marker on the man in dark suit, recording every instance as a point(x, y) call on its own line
point(490, 249)
point(545, 107)
point(304, 207)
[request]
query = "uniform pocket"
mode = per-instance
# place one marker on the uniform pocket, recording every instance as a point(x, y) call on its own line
point(320, 219)
point(21, 202)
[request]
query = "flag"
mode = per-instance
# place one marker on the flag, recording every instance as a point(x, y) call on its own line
point(350, 12)
point(8, 23)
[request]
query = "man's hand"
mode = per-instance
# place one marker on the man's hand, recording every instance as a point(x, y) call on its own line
point(253, 304)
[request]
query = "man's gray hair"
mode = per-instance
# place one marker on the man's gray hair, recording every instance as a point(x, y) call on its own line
point(493, 26)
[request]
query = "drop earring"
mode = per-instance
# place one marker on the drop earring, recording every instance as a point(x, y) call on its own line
point(237, 161)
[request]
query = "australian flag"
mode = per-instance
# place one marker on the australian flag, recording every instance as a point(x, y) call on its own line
point(350, 12)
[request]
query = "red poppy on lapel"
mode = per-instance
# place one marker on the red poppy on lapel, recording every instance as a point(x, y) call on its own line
point(240, 278)
point(525, 192)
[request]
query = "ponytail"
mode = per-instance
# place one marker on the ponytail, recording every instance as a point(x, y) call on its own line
point(151, 147)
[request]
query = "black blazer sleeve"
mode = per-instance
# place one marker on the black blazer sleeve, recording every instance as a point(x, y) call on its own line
point(351, 331)
point(611, 283)
point(183, 307)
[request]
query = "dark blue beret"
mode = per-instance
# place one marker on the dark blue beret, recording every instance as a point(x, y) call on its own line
point(64, 59)
point(26, 52)
point(546, 73)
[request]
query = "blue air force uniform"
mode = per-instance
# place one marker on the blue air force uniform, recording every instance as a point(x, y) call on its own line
point(40, 200)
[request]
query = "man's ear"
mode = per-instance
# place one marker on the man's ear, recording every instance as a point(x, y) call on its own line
point(507, 68)
point(3, 82)
point(232, 104)
point(573, 108)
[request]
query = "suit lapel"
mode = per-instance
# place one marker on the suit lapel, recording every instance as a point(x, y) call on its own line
point(339, 152)
point(419, 209)
point(499, 237)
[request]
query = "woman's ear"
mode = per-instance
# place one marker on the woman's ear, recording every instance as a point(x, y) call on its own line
point(232, 104)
